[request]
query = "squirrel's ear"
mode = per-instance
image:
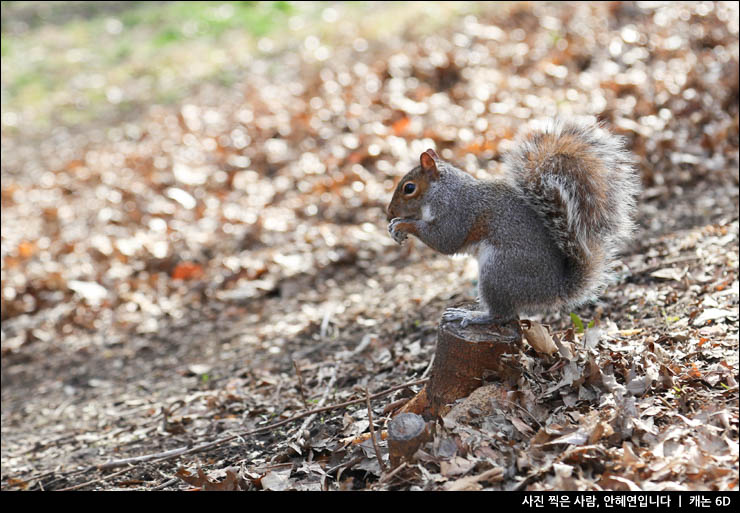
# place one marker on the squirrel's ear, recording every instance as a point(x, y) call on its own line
point(429, 161)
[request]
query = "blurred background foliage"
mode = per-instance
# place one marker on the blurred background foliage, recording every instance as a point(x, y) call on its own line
point(73, 62)
point(206, 182)
point(237, 145)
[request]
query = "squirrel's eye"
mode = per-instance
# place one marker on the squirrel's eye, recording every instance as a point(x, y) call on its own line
point(409, 188)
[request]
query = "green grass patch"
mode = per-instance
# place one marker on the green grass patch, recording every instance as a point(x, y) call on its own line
point(62, 66)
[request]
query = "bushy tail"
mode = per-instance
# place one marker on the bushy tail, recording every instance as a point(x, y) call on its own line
point(580, 179)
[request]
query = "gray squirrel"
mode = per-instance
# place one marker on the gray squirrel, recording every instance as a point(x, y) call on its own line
point(545, 235)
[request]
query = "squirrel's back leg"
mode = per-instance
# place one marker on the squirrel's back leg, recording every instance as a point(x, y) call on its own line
point(496, 307)
point(512, 280)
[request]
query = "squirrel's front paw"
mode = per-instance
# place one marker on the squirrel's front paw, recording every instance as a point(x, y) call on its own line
point(398, 235)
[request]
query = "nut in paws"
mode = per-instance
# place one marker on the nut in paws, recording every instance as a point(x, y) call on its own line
point(398, 235)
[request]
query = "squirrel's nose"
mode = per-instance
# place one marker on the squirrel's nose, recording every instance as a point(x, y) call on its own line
point(389, 214)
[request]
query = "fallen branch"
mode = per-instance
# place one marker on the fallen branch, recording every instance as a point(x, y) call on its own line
point(174, 453)
point(82, 485)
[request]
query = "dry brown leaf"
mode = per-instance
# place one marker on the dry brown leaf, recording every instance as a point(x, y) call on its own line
point(276, 480)
point(26, 249)
point(230, 483)
point(473, 482)
point(455, 466)
point(611, 482)
point(521, 426)
point(538, 337)
point(187, 271)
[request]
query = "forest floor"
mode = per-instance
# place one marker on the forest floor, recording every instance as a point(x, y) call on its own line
point(180, 287)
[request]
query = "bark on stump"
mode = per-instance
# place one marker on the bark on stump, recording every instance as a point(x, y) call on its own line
point(462, 359)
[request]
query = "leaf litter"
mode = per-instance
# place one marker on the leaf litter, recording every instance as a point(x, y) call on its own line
point(163, 281)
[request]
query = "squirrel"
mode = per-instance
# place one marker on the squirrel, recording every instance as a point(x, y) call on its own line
point(545, 235)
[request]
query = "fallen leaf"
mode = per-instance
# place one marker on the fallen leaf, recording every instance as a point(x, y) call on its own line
point(712, 314)
point(276, 480)
point(611, 482)
point(400, 126)
point(455, 466)
point(472, 482)
point(199, 368)
point(93, 293)
point(26, 249)
point(230, 483)
point(538, 337)
point(521, 426)
point(578, 437)
point(669, 273)
point(187, 271)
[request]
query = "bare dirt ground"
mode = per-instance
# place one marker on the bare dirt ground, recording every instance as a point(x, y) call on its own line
point(218, 267)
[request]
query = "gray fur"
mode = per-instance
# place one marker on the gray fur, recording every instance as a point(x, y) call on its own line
point(574, 235)
point(534, 257)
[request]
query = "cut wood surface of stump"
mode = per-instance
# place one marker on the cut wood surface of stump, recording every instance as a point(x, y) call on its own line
point(464, 357)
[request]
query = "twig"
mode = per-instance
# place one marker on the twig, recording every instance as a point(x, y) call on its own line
point(57, 441)
point(664, 263)
point(346, 465)
point(391, 407)
point(163, 456)
point(300, 384)
point(166, 484)
point(372, 432)
point(429, 367)
point(82, 485)
point(329, 387)
point(387, 477)
point(324, 330)
point(140, 459)
point(525, 411)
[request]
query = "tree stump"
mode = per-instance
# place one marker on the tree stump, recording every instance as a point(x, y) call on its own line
point(406, 432)
point(462, 359)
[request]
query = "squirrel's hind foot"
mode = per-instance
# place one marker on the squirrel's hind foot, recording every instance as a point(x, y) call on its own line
point(468, 317)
